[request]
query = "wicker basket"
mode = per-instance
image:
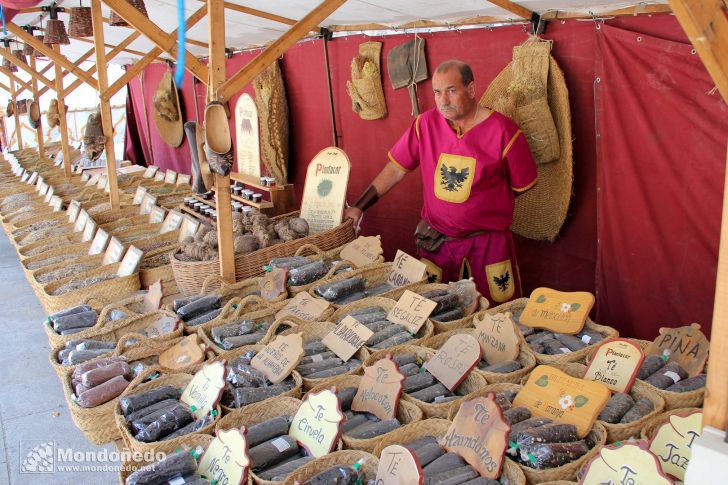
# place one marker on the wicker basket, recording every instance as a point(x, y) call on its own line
point(368, 469)
point(77, 250)
point(598, 435)
point(470, 384)
point(318, 253)
point(483, 392)
point(80, 264)
point(673, 400)
point(190, 275)
point(441, 327)
point(228, 357)
point(385, 304)
point(190, 442)
point(118, 287)
point(525, 357)
point(650, 427)
point(179, 380)
point(317, 331)
point(438, 428)
point(39, 247)
point(407, 412)
point(517, 306)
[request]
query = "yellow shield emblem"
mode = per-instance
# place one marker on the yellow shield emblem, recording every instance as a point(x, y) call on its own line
point(454, 177)
point(500, 280)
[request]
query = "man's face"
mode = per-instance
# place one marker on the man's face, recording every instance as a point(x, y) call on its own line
point(454, 100)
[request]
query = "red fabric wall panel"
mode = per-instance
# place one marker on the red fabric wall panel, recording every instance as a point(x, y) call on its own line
point(570, 262)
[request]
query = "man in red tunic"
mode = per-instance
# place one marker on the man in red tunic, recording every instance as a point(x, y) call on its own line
point(473, 161)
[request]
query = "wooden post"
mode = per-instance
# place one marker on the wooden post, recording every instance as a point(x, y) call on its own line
point(62, 114)
point(17, 116)
point(39, 130)
point(106, 122)
point(715, 408)
point(217, 70)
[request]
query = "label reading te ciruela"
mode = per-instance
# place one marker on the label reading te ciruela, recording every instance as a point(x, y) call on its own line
point(324, 193)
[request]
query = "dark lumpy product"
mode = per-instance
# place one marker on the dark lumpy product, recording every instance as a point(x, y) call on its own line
point(280, 472)
point(409, 370)
point(431, 393)
point(70, 311)
point(102, 393)
point(193, 427)
point(528, 424)
point(551, 455)
point(671, 374)
point(230, 343)
point(175, 464)
point(79, 356)
point(616, 408)
point(242, 396)
point(234, 329)
point(516, 415)
point(204, 318)
point(371, 317)
point(374, 429)
point(290, 262)
point(689, 384)
point(450, 315)
point(399, 338)
point(180, 302)
point(243, 375)
point(308, 273)
point(84, 319)
point(446, 462)
point(87, 366)
point(642, 407)
point(570, 342)
point(313, 347)
point(384, 334)
point(482, 481)
point(361, 312)
point(168, 422)
point(590, 337)
point(336, 475)
point(455, 476)
point(273, 451)
point(403, 359)
point(137, 415)
point(135, 402)
point(428, 453)
point(340, 289)
point(269, 429)
point(445, 303)
point(553, 346)
point(418, 381)
point(199, 307)
point(650, 365)
point(503, 367)
point(549, 433)
point(100, 375)
point(538, 337)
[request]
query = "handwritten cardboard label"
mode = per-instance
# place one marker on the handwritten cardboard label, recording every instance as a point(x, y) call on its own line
point(98, 245)
point(479, 434)
point(273, 284)
point(139, 195)
point(183, 179)
point(170, 177)
point(188, 228)
point(411, 311)
point(185, 353)
point(172, 222)
point(204, 390)
point(156, 215)
point(148, 202)
point(398, 466)
point(81, 220)
point(42, 188)
point(554, 394)
point(685, 345)
point(673, 442)
point(615, 364)
point(247, 137)
point(150, 171)
point(73, 208)
point(346, 338)
point(558, 311)
point(131, 261)
point(324, 192)
point(278, 359)
point(406, 270)
point(159, 176)
point(317, 424)
point(379, 389)
point(363, 250)
point(629, 463)
point(226, 461)
point(452, 363)
point(56, 203)
point(153, 298)
point(113, 251)
point(88, 231)
point(305, 307)
point(49, 195)
point(498, 337)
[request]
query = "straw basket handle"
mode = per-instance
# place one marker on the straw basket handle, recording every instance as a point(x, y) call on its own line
point(310, 247)
point(335, 268)
point(288, 321)
point(98, 298)
point(228, 308)
point(213, 278)
point(245, 303)
point(128, 340)
point(119, 305)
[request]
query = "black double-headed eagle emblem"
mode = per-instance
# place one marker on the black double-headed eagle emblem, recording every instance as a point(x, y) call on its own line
point(502, 281)
point(452, 179)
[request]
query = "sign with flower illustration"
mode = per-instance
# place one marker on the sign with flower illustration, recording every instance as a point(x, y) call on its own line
point(558, 311)
point(554, 394)
point(630, 463)
point(324, 192)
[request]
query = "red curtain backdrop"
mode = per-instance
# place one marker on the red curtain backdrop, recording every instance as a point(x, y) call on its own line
point(570, 263)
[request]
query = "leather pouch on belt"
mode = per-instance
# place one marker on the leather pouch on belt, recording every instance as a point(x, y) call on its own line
point(428, 238)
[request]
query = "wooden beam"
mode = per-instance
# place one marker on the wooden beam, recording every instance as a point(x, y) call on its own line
point(106, 122)
point(258, 13)
point(17, 116)
point(39, 128)
point(619, 12)
point(166, 42)
point(15, 78)
point(5, 88)
point(48, 68)
point(715, 407)
point(22, 65)
point(130, 51)
point(217, 62)
point(514, 8)
point(137, 67)
point(52, 54)
point(276, 49)
point(63, 127)
point(706, 23)
point(110, 55)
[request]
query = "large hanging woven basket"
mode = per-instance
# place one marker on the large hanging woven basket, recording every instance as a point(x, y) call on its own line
point(56, 33)
point(80, 24)
point(117, 21)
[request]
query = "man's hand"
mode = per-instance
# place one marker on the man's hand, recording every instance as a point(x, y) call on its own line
point(354, 214)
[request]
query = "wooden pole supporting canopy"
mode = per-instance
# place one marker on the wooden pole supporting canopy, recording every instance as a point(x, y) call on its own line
point(166, 42)
point(25, 67)
point(514, 8)
point(106, 123)
point(138, 66)
point(63, 126)
point(15, 78)
point(217, 67)
point(46, 69)
point(276, 49)
point(39, 128)
point(17, 116)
